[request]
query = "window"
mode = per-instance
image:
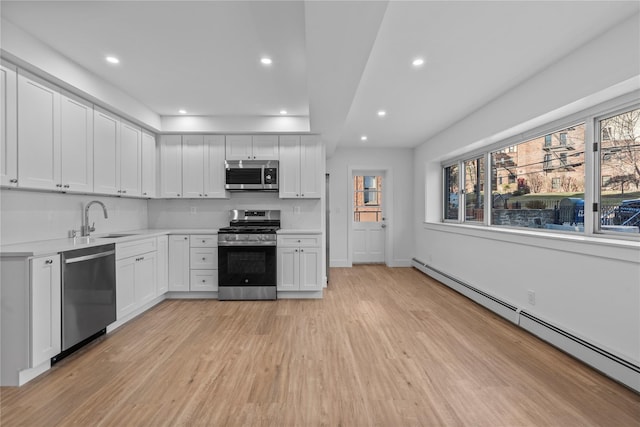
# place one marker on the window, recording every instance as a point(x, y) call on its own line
point(535, 201)
point(619, 169)
point(474, 189)
point(367, 198)
point(563, 138)
point(536, 183)
point(452, 194)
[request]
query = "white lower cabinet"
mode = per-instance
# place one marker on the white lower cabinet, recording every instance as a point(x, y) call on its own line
point(136, 275)
point(30, 290)
point(193, 263)
point(299, 262)
point(46, 329)
point(162, 284)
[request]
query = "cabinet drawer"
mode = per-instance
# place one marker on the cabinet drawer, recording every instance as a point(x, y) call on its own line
point(137, 247)
point(299, 241)
point(204, 241)
point(204, 280)
point(203, 258)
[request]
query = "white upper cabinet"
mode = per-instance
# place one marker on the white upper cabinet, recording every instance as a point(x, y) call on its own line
point(130, 160)
point(214, 172)
point(193, 165)
point(247, 147)
point(265, 147)
point(106, 152)
point(38, 134)
point(203, 170)
point(76, 140)
point(148, 165)
point(170, 166)
point(300, 167)
point(8, 127)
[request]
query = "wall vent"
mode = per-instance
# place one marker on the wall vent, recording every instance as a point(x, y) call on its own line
point(615, 367)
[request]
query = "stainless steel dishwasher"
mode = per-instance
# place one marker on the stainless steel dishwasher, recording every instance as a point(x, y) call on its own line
point(88, 295)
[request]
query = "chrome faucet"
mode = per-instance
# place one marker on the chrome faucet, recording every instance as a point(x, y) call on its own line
point(86, 228)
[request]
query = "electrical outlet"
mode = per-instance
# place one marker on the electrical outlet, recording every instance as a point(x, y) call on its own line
point(531, 295)
point(194, 210)
point(296, 209)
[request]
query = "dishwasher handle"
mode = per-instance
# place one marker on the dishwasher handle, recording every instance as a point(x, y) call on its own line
point(89, 257)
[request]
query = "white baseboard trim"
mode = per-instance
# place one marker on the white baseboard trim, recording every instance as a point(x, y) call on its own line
point(28, 374)
point(137, 312)
point(299, 294)
point(193, 295)
point(624, 371)
point(339, 263)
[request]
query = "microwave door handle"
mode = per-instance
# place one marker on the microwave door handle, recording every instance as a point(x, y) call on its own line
point(262, 176)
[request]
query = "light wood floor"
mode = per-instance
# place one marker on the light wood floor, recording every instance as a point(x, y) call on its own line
point(385, 347)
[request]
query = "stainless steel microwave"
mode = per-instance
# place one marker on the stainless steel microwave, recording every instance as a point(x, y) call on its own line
point(251, 175)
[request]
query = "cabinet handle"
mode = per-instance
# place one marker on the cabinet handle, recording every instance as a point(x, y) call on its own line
point(186, 238)
point(200, 195)
point(14, 181)
point(144, 194)
point(297, 195)
point(204, 259)
point(302, 195)
point(178, 194)
point(301, 250)
point(206, 195)
point(49, 261)
point(295, 250)
point(124, 191)
point(203, 281)
point(58, 185)
point(66, 186)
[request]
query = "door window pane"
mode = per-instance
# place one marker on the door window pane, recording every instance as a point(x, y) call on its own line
point(452, 192)
point(548, 190)
point(620, 172)
point(367, 198)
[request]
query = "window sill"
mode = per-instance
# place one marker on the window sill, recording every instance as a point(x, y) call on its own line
point(601, 246)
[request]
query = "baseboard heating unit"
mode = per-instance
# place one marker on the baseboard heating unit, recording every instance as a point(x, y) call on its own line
point(602, 360)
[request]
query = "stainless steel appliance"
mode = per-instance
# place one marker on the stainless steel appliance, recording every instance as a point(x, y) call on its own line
point(247, 256)
point(246, 175)
point(88, 295)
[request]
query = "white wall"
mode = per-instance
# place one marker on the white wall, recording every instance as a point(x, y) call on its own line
point(589, 288)
point(214, 213)
point(32, 215)
point(399, 166)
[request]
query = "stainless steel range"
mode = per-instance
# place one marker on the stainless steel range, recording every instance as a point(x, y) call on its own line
point(247, 255)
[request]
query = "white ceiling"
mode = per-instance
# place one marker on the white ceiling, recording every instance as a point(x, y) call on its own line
point(337, 62)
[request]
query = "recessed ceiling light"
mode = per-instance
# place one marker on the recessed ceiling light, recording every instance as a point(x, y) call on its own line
point(382, 113)
point(363, 138)
point(112, 60)
point(417, 62)
point(283, 112)
point(181, 111)
point(266, 61)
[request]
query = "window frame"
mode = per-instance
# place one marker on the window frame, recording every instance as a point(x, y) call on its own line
point(589, 117)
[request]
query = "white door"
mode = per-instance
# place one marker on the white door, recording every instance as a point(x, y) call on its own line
point(148, 165)
point(193, 166)
point(106, 153)
point(369, 227)
point(214, 172)
point(170, 166)
point(130, 160)
point(8, 127)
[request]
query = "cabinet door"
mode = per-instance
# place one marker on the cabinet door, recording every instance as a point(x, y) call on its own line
point(193, 161)
point(238, 147)
point(38, 135)
point(265, 147)
point(8, 127)
point(311, 172)
point(179, 263)
point(162, 262)
point(214, 171)
point(288, 269)
point(76, 141)
point(289, 166)
point(125, 286)
point(171, 166)
point(310, 269)
point(130, 160)
point(203, 258)
point(106, 153)
point(148, 165)
point(204, 280)
point(145, 278)
point(46, 312)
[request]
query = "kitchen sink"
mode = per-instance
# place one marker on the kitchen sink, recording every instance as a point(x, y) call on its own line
point(117, 235)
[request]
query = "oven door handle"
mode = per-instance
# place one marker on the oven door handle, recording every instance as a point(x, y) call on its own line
point(245, 244)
